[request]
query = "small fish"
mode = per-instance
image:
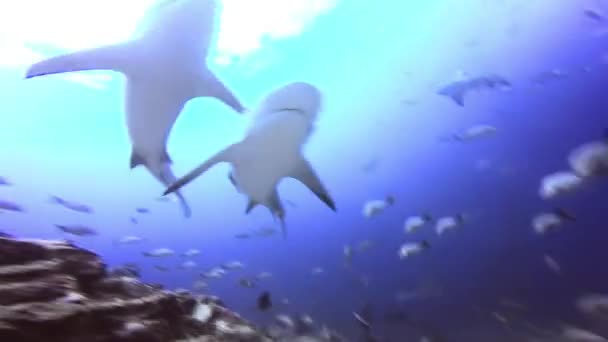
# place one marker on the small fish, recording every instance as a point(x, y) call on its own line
point(317, 270)
point(130, 239)
point(191, 253)
point(414, 223)
point(363, 318)
point(412, 248)
point(5, 182)
point(286, 321)
point(371, 165)
point(126, 270)
point(483, 164)
point(448, 223)
point(577, 334)
point(159, 252)
point(188, 265)
point(263, 275)
point(594, 15)
point(500, 317)
point(133, 220)
point(242, 236)
point(595, 304)
point(475, 132)
point(348, 252)
point(264, 302)
point(549, 76)
point(559, 183)
point(10, 206)
point(78, 230)
point(74, 206)
point(365, 245)
point(552, 264)
point(200, 285)
point(248, 283)
point(142, 210)
point(233, 265)
point(161, 268)
point(550, 222)
point(375, 207)
point(590, 159)
point(214, 273)
point(306, 319)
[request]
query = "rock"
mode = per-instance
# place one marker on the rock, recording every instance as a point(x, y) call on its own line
point(53, 291)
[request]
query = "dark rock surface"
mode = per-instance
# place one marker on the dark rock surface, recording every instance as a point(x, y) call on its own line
point(54, 291)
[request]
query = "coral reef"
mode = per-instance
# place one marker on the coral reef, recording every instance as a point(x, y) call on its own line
point(54, 291)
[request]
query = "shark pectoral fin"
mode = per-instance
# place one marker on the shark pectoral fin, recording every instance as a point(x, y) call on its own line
point(211, 86)
point(307, 176)
point(458, 98)
point(224, 155)
point(454, 92)
point(113, 57)
point(250, 205)
point(136, 160)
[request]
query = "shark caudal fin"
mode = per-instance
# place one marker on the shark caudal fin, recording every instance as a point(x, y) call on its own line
point(167, 177)
point(113, 57)
point(183, 204)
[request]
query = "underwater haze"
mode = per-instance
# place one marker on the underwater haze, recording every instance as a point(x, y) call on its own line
point(442, 109)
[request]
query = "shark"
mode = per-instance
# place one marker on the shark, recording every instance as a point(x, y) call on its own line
point(271, 150)
point(165, 66)
point(457, 90)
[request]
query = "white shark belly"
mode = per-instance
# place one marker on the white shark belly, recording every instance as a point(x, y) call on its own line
point(272, 151)
point(151, 111)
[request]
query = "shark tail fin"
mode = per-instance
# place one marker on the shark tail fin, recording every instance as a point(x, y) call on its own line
point(224, 155)
point(183, 204)
point(111, 57)
point(167, 177)
point(278, 211)
point(212, 86)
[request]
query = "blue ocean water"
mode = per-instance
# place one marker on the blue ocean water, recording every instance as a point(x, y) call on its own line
point(379, 67)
